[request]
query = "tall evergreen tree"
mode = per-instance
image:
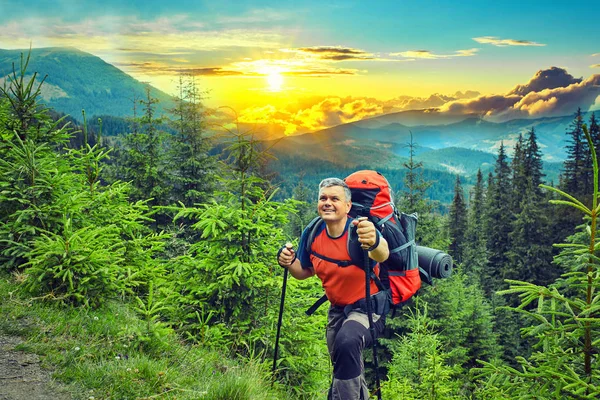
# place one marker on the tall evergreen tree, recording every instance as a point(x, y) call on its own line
point(193, 169)
point(457, 223)
point(594, 130)
point(530, 252)
point(475, 254)
point(574, 174)
point(432, 229)
point(519, 175)
point(142, 160)
point(574, 179)
point(413, 199)
point(498, 224)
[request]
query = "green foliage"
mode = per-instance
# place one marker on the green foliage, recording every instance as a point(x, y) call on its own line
point(96, 353)
point(566, 324)
point(498, 223)
point(34, 179)
point(76, 266)
point(459, 307)
point(475, 254)
point(142, 159)
point(418, 369)
point(152, 338)
point(193, 175)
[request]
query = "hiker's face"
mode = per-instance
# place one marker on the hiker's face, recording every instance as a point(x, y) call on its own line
point(333, 204)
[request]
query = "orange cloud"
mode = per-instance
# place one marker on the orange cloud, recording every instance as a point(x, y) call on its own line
point(334, 111)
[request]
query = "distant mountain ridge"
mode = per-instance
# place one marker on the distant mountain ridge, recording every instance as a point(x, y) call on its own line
point(445, 141)
point(78, 80)
point(382, 139)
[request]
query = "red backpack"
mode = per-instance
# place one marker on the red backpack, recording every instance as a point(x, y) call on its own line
point(371, 197)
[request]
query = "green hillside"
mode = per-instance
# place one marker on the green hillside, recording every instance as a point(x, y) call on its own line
point(78, 80)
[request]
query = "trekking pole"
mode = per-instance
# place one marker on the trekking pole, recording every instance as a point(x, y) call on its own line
point(281, 303)
point(367, 265)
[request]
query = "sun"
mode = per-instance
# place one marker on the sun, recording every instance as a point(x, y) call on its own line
point(274, 80)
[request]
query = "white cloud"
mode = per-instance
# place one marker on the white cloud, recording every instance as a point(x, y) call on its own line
point(505, 42)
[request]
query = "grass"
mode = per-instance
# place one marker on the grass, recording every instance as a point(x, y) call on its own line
point(108, 353)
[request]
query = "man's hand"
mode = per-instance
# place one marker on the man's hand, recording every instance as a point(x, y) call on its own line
point(287, 256)
point(367, 235)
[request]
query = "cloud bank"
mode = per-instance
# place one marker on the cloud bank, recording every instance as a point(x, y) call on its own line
point(551, 92)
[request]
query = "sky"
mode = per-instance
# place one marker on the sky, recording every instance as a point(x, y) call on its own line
point(304, 66)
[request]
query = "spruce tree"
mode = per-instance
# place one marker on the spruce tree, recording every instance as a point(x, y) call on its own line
point(457, 223)
point(498, 224)
point(519, 175)
point(142, 159)
point(574, 167)
point(574, 178)
point(530, 253)
point(432, 229)
point(475, 254)
point(193, 169)
point(594, 130)
point(413, 199)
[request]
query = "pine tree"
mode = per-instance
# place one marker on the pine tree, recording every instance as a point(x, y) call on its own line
point(457, 223)
point(519, 175)
point(432, 230)
point(142, 159)
point(594, 130)
point(193, 176)
point(530, 254)
point(498, 224)
point(574, 167)
point(413, 199)
point(574, 178)
point(475, 254)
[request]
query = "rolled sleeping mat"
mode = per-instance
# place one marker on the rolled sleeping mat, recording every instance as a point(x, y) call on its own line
point(435, 262)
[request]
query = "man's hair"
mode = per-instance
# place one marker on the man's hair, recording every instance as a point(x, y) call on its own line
point(329, 182)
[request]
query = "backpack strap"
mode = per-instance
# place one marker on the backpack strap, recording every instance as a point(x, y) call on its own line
point(340, 263)
point(315, 306)
point(313, 228)
point(404, 246)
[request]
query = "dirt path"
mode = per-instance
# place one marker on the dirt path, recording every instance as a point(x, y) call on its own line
point(22, 377)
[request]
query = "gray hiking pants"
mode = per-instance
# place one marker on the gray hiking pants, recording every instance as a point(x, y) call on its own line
point(346, 339)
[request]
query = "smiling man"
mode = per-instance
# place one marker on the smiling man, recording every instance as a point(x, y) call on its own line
point(344, 284)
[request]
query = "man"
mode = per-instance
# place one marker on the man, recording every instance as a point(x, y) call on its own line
point(348, 327)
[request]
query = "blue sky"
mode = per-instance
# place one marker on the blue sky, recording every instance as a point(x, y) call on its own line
point(268, 57)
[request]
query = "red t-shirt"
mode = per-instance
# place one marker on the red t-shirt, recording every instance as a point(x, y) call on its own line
point(342, 285)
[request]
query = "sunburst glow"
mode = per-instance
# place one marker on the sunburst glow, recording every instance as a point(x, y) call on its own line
point(275, 81)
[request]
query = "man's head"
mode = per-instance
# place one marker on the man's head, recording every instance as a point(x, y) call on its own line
point(334, 199)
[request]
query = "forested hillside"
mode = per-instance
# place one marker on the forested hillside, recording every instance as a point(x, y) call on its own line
point(146, 267)
point(77, 80)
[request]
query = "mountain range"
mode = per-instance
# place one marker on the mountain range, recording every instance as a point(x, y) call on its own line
point(444, 141)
